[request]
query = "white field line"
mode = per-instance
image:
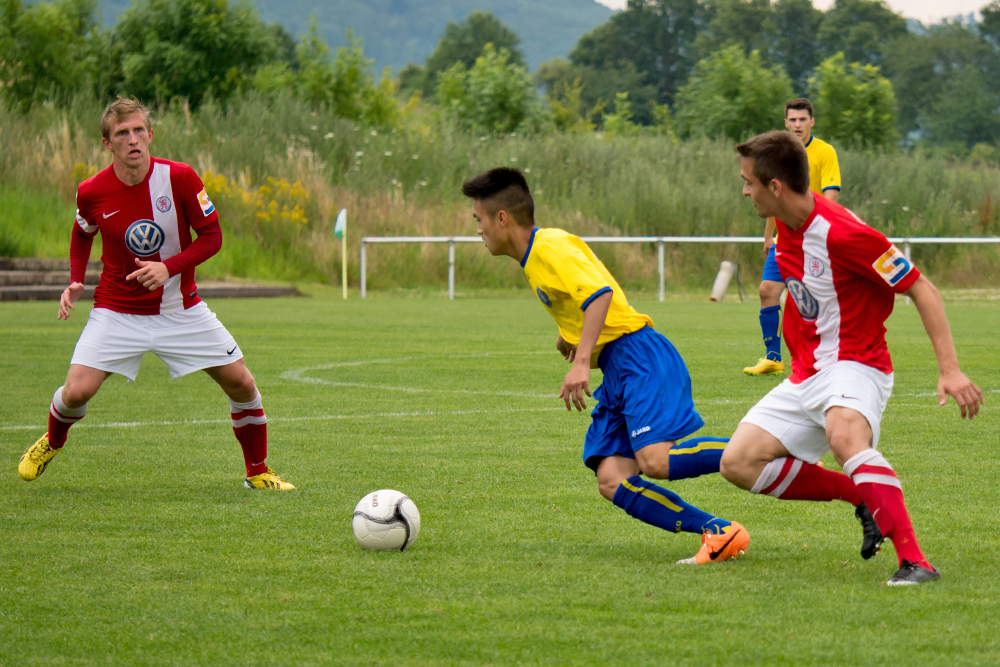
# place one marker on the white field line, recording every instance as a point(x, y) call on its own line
point(298, 375)
point(373, 415)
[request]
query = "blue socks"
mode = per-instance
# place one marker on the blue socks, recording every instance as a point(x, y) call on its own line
point(770, 326)
point(664, 509)
point(696, 457)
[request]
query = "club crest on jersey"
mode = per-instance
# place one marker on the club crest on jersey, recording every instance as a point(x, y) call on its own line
point(144, 238)
point(815, 267)
point(206, 204)
point(543, 297)
point(163, 204)
point(806, 303)
point(892, 266)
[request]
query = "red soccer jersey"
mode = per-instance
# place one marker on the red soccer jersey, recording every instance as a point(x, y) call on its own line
point(842, 277)
point(150, 221)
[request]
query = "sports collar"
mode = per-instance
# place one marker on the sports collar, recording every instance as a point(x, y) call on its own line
point(810, 139)
point(531, 241)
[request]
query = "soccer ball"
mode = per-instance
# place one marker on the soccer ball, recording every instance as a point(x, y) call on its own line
point(386, 520)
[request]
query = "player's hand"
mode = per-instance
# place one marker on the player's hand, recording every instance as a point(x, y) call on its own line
point(151, 275)
point(69, 295)
point(968, 396)
point(575, 385)
point(767, 245)
point(567, 350)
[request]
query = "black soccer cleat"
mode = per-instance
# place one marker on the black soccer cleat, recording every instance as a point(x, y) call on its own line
point(872, 540)
point(911, 574)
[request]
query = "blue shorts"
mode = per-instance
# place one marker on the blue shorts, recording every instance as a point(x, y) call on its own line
point(645, 398)
point(771, 271)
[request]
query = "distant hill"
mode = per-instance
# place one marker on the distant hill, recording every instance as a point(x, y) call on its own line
point(396, 32)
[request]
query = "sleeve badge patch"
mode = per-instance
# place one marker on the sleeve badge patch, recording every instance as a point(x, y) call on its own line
point(206, 204)
point(892, 266)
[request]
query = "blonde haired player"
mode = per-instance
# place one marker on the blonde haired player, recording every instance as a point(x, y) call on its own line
point(824, 178)
point(644, 404)
point(147, 301)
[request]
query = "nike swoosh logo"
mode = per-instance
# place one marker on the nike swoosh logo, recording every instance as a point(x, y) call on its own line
point(875, 512)
point(715, 554)
point(232, 350)
point(108, 215)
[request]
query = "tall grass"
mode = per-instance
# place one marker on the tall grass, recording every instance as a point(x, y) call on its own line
point(407, 181)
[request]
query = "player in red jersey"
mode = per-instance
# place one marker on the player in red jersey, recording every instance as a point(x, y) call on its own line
point(842, 277)
point(147, 301)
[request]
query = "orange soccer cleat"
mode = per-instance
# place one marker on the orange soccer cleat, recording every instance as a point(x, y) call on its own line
point(731, 543)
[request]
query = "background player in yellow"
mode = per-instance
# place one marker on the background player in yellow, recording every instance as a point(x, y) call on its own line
point(644, 403)
point(824, 178)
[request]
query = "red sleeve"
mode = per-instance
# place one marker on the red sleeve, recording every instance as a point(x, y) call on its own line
point(207, 244)
point(198, 209)
point(872, 256)
point(80, 244)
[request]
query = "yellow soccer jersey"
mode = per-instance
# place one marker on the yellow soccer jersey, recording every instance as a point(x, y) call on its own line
point(824, 170)
point(567, 276)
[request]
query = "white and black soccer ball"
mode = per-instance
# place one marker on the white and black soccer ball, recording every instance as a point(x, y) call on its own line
point(386, 520)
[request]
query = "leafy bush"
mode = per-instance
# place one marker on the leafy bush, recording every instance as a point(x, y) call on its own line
point(733, 95)
point(189, 48)
point(492, 96)
point(854, 103)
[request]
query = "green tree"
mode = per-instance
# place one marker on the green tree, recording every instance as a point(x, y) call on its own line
point(492, 96)
point(923, 68)
point(189, 48)
point(860, 29)
point(620, 122)
point(463, 43)
point(46, 49)
point(653, 38)
point(733, 94)
point(344, 84)
point(796, 23)
point(965, 114)
point(854, 103)
point(748, 23)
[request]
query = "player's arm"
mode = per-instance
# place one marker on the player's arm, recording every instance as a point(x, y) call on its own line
point(80, 244)
point(952, 380)
point(769, 234)
point(152, 275)
point(577, 381)
point(830, 177)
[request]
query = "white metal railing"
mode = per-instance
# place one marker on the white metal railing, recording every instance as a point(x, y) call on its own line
point(658, 240)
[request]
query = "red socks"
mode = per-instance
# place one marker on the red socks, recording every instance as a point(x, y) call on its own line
point(793, 479)
point(61, 418)
point(883, 494)
point(250, 427)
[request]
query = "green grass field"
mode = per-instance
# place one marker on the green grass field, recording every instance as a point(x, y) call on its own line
point(139, 545)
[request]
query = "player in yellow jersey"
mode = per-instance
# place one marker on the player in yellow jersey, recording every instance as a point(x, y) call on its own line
point(644, 404)
point(824, 178)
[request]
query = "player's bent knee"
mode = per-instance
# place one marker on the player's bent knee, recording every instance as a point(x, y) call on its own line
point(735, 467)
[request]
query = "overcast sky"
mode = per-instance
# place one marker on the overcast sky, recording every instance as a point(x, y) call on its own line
point(927, 11)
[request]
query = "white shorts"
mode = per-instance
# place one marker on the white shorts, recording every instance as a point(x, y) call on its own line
point(795, 414)
point(188, 341)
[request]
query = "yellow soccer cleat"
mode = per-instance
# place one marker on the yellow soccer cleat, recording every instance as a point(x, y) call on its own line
point(765, 367)
point(730, 544)
point(35, 458)
point(268, 480)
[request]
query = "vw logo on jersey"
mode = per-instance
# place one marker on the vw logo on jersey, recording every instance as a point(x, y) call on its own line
point(144, 238)
point(544, 297)
point(163, 204)
point(806, 303)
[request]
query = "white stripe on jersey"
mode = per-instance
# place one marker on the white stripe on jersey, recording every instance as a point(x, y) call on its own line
point(84, 225)
point(172, 300)
point(824, 291)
